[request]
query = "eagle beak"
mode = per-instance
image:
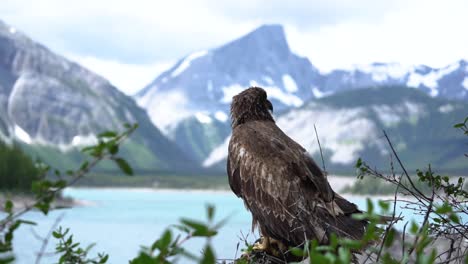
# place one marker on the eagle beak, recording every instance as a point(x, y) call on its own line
point(269, 106)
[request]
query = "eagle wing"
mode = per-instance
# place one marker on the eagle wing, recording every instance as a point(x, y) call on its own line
point(283, 187)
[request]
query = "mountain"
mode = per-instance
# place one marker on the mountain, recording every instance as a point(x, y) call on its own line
point(350, 126)
point(201, 85)
point(450, 81)
point(54, 106)
point(194, 94)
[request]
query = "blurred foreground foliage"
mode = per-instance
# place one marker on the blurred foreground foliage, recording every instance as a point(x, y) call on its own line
point(441, 201)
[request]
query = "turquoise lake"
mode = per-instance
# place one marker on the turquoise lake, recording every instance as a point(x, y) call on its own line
point(119, 221)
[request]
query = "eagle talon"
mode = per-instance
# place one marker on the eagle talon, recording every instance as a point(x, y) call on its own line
point(270, 246)
point(263, 245)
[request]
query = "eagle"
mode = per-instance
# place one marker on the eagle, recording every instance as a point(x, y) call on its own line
point(287, 194)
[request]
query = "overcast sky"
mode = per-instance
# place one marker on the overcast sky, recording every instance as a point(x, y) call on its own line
point(131, 42)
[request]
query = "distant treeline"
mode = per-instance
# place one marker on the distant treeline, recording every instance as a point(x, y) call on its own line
point(17, 170)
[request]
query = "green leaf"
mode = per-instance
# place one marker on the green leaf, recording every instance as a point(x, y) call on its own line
point(199, 229)
point(454, 218)
point(358, 163)
point(384, 205)
point(8, 206)
point(7, 259)
point(89, 148)
point(60, 184)
point(459, 125)
point(143, 258)
point(182, 228)
point(210, 211)
point(299, 252)
point(26, 222)
point(84, 165)
point(56, 234)
point(107, 134)
point(43, 207)
point(103, 259)
point(316, 257)
point(344, 255)
point(208, 256)
point(359, 216)
point(443, 209)
point(370, 206)
point(124, 166)
point(193, 224)
point(113, 149)
point(164, 242)
point(414, 227)
point(390, 237)
point(352, 244)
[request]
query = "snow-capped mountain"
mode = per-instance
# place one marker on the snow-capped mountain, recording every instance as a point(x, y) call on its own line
point(350, 126)
point(195, 93)
point(51, 104)
point(449, 82)
point(202, 84)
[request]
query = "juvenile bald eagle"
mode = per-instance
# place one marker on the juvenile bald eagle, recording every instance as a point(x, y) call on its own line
point(281, 185)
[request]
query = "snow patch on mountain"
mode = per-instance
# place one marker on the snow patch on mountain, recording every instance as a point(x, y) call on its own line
point(289, 83)
point(285, 98)
point(230, 91)
point(430, 79)
point(22, 135)
point(187, 61)
point(218, 154)
point(268, 80)
point(465, 82)
point(78, 140)
point(391, 115)
point(383, 71)
point(342, 131)
point(447, 108)
point(221, 116)
point(84, 140)
point(319, 94)
point(171, 108)
point(203, 118)
point(387, 115)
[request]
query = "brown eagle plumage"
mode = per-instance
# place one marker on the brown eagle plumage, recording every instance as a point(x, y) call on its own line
point(281, 185)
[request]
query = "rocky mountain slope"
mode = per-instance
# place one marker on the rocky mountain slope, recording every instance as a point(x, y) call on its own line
point(350, 126)
point(54, 106)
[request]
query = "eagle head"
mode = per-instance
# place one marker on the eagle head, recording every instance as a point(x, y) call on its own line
point(250, 105)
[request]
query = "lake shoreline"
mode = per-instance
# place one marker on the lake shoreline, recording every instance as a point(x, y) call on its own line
point(20, 201)
point(338, 183)
point(24, 200)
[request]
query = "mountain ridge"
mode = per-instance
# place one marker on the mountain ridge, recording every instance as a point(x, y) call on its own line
point(48, 102)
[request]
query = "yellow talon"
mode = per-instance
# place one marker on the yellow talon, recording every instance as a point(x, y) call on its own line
point(271, 246)
point(263, 245)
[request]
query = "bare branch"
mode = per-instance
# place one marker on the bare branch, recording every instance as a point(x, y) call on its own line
point(320, 147)
point(45, 241)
